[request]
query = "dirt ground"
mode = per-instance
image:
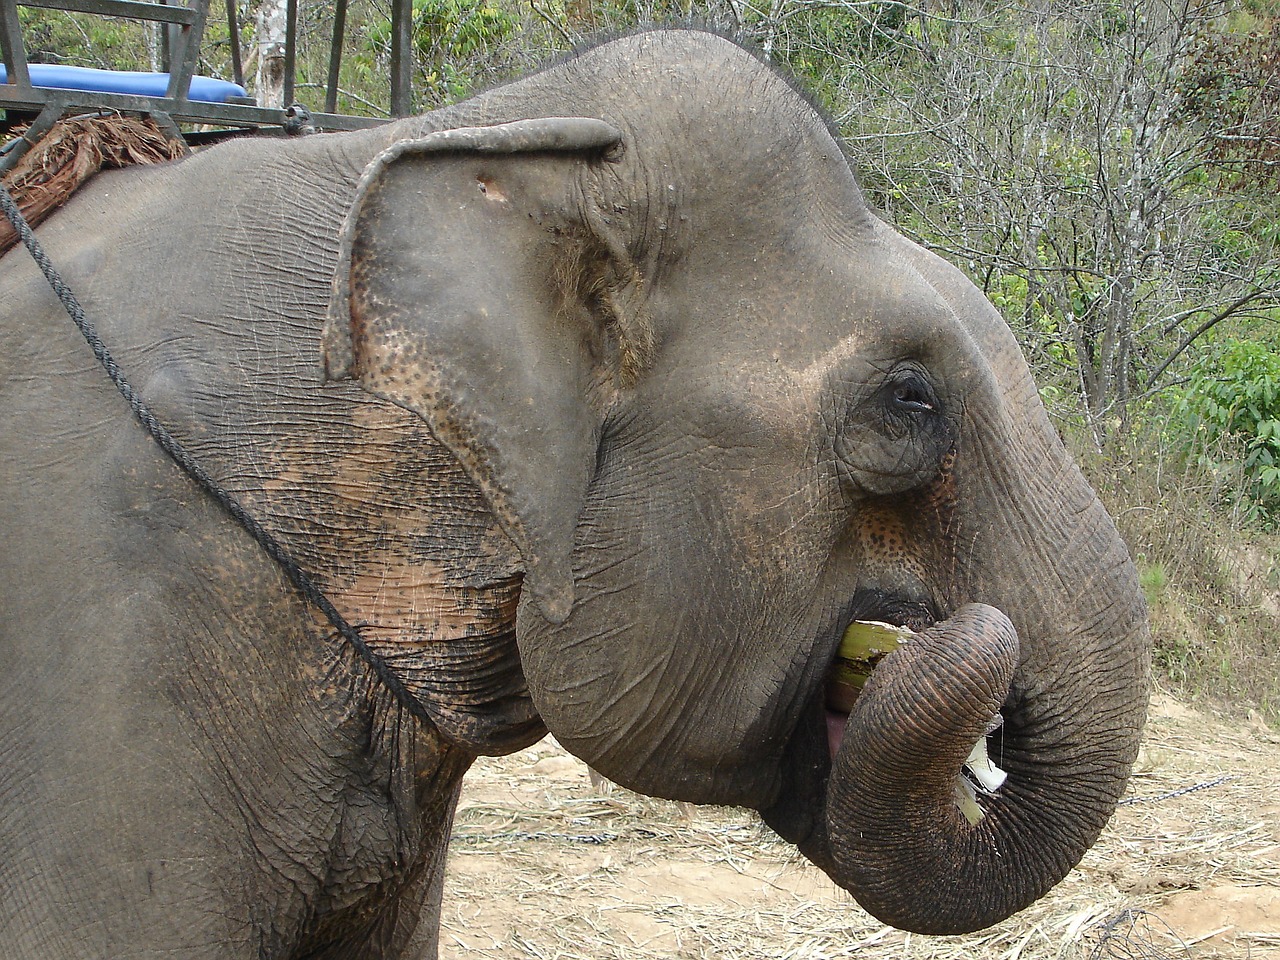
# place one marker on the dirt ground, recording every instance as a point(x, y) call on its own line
point(544, 864)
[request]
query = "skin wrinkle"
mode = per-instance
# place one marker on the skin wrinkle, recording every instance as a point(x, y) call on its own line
point(1057, 560)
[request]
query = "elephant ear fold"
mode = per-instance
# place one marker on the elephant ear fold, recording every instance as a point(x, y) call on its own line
point(450, 300)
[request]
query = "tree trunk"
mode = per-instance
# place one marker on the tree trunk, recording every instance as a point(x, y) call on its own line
point(272, 33)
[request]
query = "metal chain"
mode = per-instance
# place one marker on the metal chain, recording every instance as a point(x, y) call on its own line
point(1160, 798)
point(297, 576)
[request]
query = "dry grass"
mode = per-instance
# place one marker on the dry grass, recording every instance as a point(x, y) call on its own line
point(73, 151)
point(1212, 578)
point(544, 866)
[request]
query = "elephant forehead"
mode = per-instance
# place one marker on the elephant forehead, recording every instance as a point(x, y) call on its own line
point(807, 300)
point(869, 313)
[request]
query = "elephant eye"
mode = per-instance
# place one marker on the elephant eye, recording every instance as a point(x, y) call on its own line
point(894, 436)
point(908, 391)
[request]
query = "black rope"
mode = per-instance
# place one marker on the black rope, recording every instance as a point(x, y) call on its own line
point(297, 576)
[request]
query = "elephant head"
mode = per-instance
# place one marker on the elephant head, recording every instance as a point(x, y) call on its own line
point(722, 411)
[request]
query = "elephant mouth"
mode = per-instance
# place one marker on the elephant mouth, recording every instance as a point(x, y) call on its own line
point(881, 792)
point(817, 741)
point(875, 606)
point(911, 778)
point(895, 621)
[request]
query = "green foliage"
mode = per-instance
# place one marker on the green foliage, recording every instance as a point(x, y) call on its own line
point(1154, 580)
point(1232, 407)
point(451, 39)
point(81, 40)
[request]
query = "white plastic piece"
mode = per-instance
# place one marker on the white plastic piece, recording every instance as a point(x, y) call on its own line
point(990, 777)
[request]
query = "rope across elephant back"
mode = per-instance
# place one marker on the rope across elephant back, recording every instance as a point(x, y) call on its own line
point(73, 151)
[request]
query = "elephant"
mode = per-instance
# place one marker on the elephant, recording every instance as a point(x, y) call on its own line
point(601, 403)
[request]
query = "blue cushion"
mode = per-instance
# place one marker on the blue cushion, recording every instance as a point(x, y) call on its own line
point(205, 89)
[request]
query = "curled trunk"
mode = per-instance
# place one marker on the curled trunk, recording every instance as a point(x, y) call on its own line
point(897, 837)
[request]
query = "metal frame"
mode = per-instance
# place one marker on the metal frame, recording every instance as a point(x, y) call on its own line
point(21, 102)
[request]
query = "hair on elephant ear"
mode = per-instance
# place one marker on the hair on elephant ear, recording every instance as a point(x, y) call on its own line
point(473, 288)
point(604, 276)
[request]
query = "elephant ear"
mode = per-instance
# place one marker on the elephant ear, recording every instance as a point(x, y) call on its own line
point(450, 300)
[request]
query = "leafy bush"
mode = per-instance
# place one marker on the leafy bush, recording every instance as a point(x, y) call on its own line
point(83, 40)
point(453, 41)
point(1231, 413)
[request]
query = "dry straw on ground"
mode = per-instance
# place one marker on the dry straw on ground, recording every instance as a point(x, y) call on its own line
point(545, 866)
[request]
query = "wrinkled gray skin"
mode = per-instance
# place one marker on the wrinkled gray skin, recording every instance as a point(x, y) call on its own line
point(667, 414)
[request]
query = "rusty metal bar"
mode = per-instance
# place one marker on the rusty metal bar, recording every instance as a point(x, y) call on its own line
point(12, 48)
point(182, 65)
point(290, 49)
point(401, 58)
point(131, 9)
point(233, 37)
point(335, 57)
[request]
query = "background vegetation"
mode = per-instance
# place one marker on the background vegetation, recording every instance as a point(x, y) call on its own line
point(1105, 170)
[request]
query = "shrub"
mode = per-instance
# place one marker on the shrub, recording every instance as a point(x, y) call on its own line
point(1229, 415)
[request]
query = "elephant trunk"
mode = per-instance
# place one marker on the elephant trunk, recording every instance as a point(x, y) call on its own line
point(898, 839)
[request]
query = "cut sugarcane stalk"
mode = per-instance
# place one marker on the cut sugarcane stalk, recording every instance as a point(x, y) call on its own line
point(864, 644)
point(967, 800)
point(989, 777)
point(870, 640)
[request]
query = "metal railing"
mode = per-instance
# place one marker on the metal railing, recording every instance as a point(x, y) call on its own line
point(22, 101)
